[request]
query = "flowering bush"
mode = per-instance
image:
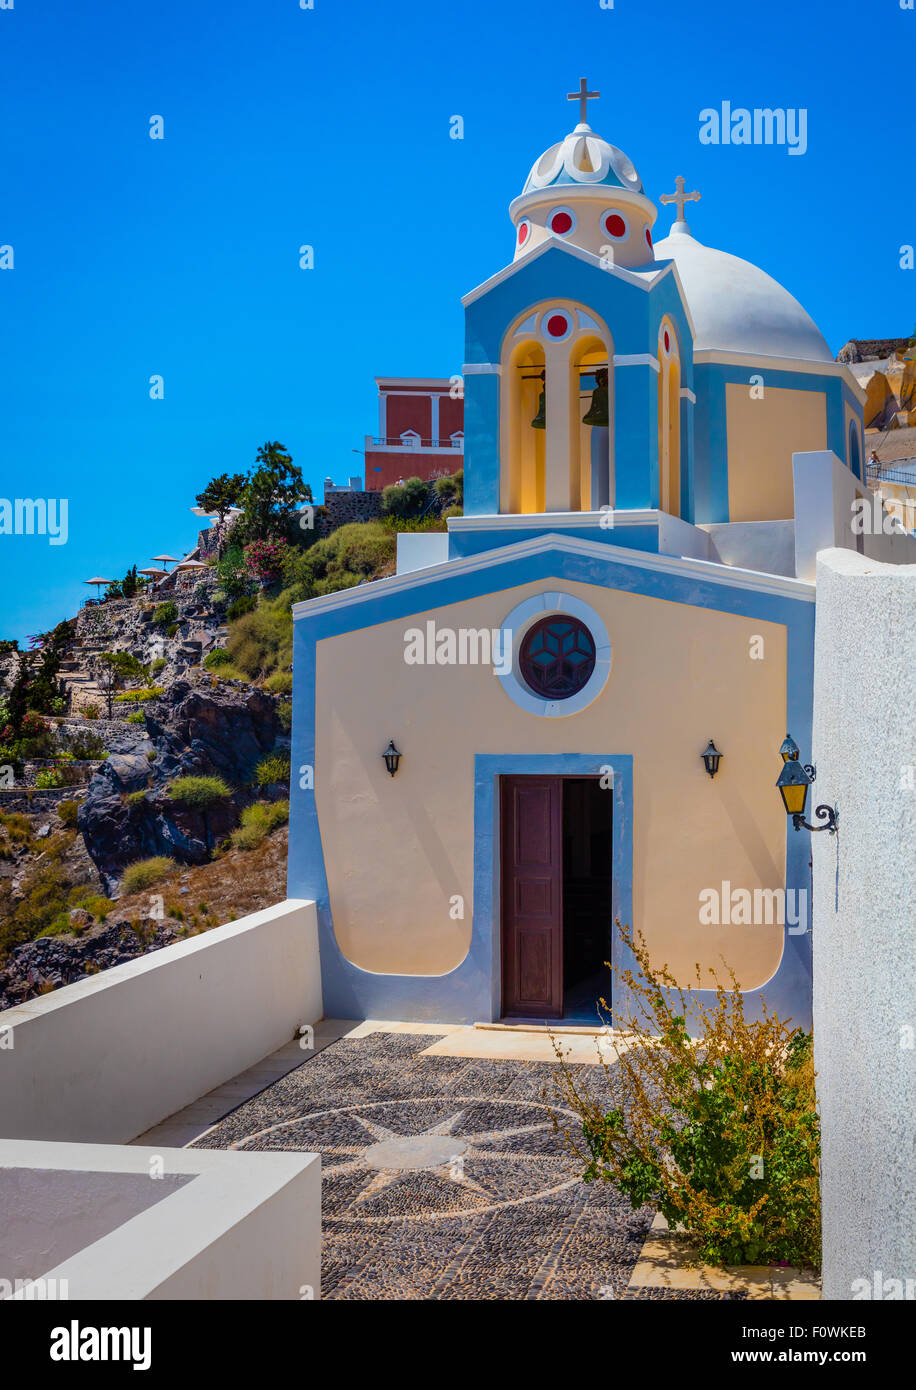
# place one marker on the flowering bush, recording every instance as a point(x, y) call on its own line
point(719, 1132)
point(264, 559)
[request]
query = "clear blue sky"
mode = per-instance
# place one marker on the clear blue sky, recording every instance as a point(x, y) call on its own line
point(330, 127)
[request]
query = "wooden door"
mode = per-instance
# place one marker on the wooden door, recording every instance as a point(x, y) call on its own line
point(532, 896)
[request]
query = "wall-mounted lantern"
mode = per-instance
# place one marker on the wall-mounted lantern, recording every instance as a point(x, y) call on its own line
point(793, 783)
point(392, 757)
point(711, 756)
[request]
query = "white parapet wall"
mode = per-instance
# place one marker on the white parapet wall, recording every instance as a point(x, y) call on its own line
point(103, 1060)
point(103, 1222)
point(864, 923)
point(417, 550)
point(833, 509)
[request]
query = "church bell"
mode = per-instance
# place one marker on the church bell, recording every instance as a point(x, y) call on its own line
point(597, 413)
point(540, 420)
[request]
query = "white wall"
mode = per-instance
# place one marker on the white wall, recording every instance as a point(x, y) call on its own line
point(106, 1058)
point(417, 550)
point(865, 917)
point(215, 1225)
point(825, 491)
point(765, 546)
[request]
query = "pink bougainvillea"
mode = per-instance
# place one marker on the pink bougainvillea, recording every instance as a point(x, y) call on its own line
point(264, 559)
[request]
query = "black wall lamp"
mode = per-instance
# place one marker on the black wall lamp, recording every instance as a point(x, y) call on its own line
point(392, 757)
point(793, 783)
point(711, 756)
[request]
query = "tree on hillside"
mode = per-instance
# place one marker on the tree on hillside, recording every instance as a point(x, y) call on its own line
point(273, 490)
point(220, 495)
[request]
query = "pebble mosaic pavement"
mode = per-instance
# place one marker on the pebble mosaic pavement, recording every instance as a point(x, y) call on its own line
point(442, 1177)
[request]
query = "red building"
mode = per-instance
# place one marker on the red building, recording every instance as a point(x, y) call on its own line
point(420, 431)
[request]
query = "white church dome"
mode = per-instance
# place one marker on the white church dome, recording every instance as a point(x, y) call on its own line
point(736, 307)
point(583, 158)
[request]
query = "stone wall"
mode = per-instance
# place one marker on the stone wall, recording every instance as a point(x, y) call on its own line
point(30, 801)
point(340, 508)
point(864, 921)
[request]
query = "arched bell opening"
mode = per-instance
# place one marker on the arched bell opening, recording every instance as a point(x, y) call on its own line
point(669, 420)
point(591, 464)
point(524, 424)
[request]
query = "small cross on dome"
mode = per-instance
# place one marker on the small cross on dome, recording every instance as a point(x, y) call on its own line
point(583, 97)
point(679, 198)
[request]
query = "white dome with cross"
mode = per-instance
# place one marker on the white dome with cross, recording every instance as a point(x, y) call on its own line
point(587, 192)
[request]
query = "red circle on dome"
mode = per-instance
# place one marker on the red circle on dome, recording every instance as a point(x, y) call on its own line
point(522, 233)
point(561, 223)
point(615, 225)
point(667, 342)
point(557, 325)
point(648, 236)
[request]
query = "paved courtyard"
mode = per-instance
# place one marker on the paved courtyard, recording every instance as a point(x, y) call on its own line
point(442, 1176)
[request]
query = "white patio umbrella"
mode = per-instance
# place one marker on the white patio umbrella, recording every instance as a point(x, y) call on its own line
point(98, 582)
point(154, 574)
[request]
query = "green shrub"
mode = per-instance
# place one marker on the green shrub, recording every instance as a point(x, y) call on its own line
point(280, 683)
point(68, 811)
point(136, 717)
point(149, 692)
point(86, 746)
point(246, 604)
point(134, 798)
point(145, 873)
point(721, 1134)
point(218, 657)
point(49, 778)
point(45, 893)
point(59, 926)
point(285, 715)
point(199, 793)
point(157, 665)
point(261, 642)
point(272, 769)
point(84, 897)
point(166, 613)
point(90, 711)
point(406, 499)
point(258, 821)
point(171, 629)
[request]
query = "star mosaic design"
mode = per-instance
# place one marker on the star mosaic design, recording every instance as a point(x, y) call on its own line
point(458, 1165)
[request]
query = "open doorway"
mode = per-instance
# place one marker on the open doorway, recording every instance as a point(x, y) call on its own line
point(556, 896)
point(586, 895)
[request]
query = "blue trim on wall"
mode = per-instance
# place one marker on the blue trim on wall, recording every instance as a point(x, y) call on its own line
point(463, 543)
point(466, 992)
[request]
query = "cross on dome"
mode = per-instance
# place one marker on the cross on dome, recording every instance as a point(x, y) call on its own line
point(583, 97)
point(679, 198)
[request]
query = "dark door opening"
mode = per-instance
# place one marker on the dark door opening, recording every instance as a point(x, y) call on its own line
point(556, 896)
point(586, 895)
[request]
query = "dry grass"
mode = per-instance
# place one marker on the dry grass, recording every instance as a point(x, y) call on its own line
point(239, 882)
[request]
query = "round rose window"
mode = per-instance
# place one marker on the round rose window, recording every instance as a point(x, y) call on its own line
point(557, 657)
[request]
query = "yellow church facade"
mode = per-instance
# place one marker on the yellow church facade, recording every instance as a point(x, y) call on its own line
point(500, 749)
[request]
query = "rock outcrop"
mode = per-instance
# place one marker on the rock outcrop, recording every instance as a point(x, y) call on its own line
point(197, 728)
